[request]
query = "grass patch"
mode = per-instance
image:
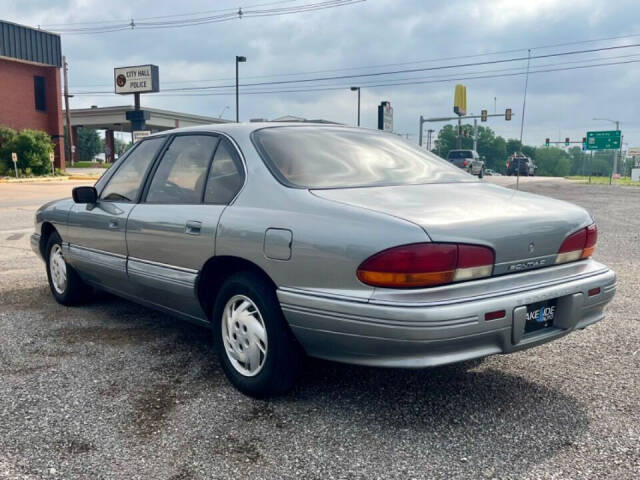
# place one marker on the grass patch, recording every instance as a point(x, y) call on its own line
point(625, 181)
point(85, 164)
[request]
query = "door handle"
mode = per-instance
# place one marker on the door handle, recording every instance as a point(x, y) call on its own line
point(193, 227)
point(113, 224)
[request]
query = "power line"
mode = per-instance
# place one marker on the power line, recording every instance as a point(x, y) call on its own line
point(570, 62)
point(394, 72)
point(126, 20)
point(390, 84)
point(364, 67)
point(247, 12)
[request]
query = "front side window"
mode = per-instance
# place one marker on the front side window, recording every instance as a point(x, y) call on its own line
point(226, 176)
point(182, 173)
point(124, 185)
point(340, 157)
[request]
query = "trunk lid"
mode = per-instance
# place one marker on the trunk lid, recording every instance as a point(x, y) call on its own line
point(524, 230)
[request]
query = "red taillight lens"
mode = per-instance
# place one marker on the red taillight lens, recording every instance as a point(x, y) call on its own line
point(426, 265)
point(465, 163)
point(580, 244)
point(592, 238)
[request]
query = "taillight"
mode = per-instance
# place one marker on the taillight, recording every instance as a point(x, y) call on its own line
point(426, 265)
point(580, 244)
point(465, 163)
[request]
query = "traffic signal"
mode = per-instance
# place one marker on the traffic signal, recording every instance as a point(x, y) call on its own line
point(547, 142)
point(566, 142)
point(483, 115)
point(507, 114)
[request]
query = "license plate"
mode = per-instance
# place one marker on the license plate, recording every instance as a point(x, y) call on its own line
point(540, 315)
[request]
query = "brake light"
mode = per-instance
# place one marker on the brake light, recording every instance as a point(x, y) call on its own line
point(580, 244)
point(426, 265)
point(465, 163)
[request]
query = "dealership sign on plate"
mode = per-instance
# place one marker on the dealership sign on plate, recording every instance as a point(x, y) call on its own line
point(140, 79)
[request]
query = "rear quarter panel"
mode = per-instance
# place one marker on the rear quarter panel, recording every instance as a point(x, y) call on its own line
point(329, 239)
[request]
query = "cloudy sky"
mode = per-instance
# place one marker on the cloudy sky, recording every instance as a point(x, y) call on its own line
point(366, 37)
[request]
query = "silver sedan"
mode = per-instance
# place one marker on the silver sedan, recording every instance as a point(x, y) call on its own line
point(340, 243)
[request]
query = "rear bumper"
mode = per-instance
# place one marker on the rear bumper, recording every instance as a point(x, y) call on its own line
point(422, 334)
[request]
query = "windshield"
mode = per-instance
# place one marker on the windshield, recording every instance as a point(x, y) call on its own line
point(453, 154)
point(339, 157)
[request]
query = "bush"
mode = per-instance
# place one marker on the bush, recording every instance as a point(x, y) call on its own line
point(32, 146)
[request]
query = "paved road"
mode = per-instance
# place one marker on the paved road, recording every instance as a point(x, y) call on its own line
point(112, 390)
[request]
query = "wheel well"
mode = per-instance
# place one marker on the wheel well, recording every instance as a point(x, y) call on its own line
point(45, 232)
point(215, 271)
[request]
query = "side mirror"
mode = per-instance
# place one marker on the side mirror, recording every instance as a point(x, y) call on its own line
point(85, 195)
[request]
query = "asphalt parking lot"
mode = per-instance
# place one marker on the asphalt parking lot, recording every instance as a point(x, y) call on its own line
point(116, 391)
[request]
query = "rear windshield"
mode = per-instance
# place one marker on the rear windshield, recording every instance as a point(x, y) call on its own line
point(453, 154)
point(339, 157)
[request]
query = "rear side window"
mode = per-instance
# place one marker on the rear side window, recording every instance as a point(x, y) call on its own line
point(455, 154)
point(340, 157)
point(226, 176)
point(181, 176)
point(124, 185)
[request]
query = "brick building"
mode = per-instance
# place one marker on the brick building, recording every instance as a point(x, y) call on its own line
point(30, 94)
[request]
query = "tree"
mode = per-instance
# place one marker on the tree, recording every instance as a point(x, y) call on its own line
point(89, 144)
point(553, 162)
point(32, 147)
point(529, 151)
point(490, 146)
point(121, 146)
point(579, 161)
point(513, 146)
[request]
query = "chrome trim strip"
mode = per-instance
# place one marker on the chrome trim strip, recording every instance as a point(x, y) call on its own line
point(163, 265)
point(95, 250)
point(511, 291)
point(451, 322)
point(164, 278)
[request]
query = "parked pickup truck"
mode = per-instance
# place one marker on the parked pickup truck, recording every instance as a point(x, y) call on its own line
point(467, 160)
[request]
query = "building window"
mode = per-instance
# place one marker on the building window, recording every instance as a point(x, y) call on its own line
point(40, 93)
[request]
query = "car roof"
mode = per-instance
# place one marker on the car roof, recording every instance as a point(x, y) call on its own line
point(245, 128)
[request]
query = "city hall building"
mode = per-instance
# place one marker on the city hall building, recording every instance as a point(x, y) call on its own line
point(30, 94)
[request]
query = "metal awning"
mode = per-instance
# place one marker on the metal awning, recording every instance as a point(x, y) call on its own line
point(114, 118)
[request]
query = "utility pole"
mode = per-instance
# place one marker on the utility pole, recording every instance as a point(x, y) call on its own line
point(238, 60)
point(524, 104)
point(475, 134)
point(67, 113)
point(615, 158)
point(353, 89)
point(429, 134)
point(420, 130)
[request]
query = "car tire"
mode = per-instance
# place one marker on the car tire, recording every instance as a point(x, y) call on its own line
point(66, 285)
point(256, 348)
point(481, 173)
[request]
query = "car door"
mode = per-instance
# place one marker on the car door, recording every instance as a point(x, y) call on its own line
point(96, 232)
point(171, 233)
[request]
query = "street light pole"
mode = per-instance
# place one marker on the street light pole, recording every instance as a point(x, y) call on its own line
point(353, 89)
point(615, 157)
point(239, 59)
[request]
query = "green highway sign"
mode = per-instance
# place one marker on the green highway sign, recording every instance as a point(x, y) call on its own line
point(605, 140)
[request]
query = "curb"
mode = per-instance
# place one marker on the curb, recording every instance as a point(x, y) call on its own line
point(49, 179)
point(34, 179)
